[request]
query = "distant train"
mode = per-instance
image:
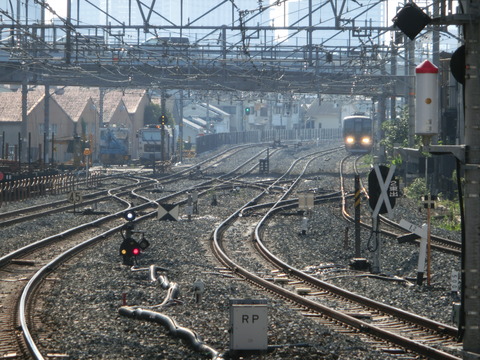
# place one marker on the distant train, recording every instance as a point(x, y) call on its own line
point(154, 143)
point(114, 146)
point(357, 133)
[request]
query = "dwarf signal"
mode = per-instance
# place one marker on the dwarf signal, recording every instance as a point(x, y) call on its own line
point(131, 248)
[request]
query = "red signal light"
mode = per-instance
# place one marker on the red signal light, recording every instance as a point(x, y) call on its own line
point(135, 251)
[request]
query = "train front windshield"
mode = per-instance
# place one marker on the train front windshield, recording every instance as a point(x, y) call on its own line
point(151, 136)
point(357, 126)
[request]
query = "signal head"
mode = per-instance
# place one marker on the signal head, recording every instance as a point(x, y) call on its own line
point(129, 215)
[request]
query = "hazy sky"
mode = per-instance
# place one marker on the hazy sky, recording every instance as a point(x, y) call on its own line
point(59, 6)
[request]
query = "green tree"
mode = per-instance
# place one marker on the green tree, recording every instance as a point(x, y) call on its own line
point(395, 133)
point(416, 190)
point(152, 114)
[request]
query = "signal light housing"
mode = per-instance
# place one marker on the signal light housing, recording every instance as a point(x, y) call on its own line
point(129, 250)
point(129, 215)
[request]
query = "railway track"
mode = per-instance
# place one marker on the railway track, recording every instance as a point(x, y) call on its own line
point(26, 268)
point(279, 277)
point(89, 198)
point(405, 333)
point(93, 197)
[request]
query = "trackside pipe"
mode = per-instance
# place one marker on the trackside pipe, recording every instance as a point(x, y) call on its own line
point(172, 288)
point(185, 334)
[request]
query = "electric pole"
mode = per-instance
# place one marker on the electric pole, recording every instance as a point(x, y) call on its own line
point(471, 336)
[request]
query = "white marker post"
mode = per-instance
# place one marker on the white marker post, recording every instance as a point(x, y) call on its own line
point(306, 202)
point(455, 283)
point(423, 233)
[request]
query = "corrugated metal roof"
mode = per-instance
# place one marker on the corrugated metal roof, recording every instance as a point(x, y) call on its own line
point(191, 124)
point(132, 98)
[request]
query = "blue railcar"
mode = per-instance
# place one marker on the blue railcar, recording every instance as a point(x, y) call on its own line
point(114, 146)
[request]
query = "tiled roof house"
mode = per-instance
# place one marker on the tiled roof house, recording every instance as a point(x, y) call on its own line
point(136, 100)
point(323, 115)
point(78, 105)
point(72, 111)
point(32, 132)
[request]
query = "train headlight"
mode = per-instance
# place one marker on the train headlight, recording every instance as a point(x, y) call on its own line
point(349, 140)
point(366, 140)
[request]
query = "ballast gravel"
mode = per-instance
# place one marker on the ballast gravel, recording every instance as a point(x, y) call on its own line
point(81, 320)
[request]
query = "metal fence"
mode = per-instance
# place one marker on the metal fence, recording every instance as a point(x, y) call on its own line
point(213, 141)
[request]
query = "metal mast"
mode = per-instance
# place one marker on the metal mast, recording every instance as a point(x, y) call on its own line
point(471, 343)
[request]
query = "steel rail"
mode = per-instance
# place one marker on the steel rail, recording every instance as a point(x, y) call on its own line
point(361, 326)
point(46, 269)
point(50, 266)
point(36, 279)
point(39, 276)
point(26, 214)
point(30, 247)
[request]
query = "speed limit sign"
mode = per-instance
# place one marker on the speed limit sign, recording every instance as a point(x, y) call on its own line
point(75, 197)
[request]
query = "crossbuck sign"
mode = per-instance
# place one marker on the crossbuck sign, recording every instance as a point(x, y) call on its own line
point(379, 182)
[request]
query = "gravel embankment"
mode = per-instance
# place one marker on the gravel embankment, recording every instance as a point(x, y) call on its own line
point(82, 318)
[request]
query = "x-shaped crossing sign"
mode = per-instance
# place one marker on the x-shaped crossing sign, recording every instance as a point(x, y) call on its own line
point(384, 184)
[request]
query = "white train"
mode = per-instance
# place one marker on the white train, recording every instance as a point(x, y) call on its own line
point(154, 143)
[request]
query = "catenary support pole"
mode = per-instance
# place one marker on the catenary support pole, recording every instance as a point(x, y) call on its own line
point(471, 343)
